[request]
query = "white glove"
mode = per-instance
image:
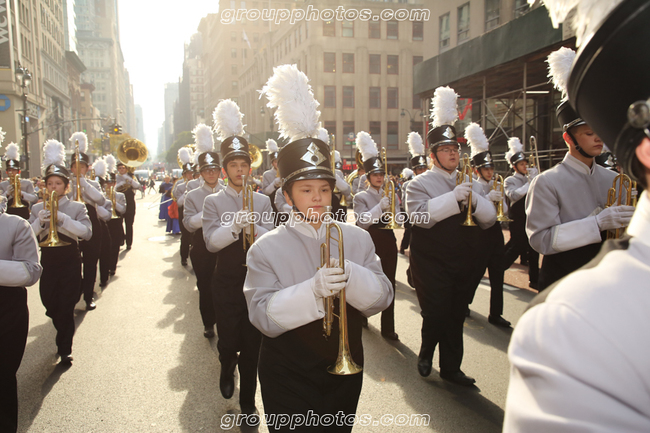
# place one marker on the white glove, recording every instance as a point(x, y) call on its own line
point(9, 192)
point(462, 191)
point(44, 217)
point(614, 217)
point(277, 182)
point(247, 229)
point(384, 203)
point(239, 221)
point(532, 172)
point(61, 218)
point(495, 195)
point(83, 182)
point(328, 281)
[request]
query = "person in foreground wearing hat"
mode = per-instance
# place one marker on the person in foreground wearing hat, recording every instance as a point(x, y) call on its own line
point(371, 206)
point(12, 166)
point(284, 286)
point(61, 278)
point(444, 253)
point(566, 205)
point(203, 261)
point(516, 188)
point(178, 192)
point(579, 355)
point(115, 226)
point(19, 268)
point(490, 244)
point(126, 184)
point(226, 226)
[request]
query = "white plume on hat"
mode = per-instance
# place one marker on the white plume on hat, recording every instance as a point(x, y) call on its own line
point(588, 16)
point(272, 145)
point(476, 138)
point(195, 158)
point(111, 162)
point(83, 141)
point(444, 107)
point(184, 155)
point(416, 147)
point(324, 136)
point(53, 153)
point(367, 146)
point(203, 133)
point(559, 68)
point(100, 167)
point(407, 173)
point(337, 156)
point(227, 120)
point(2, 134)
point(289, 91)
point(515, 146)
point(11, 152)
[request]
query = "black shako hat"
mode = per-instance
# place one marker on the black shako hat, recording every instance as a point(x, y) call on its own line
point(441, 135)
point(483, 160)
point(12, 164)
point(418, 161)
point(234, 147)
point(83, 158)
point(373, 165)
point(609, 85)
point(306, 158)
point(188, 167)
point(56, 170)
point(519, 156)
point(208, 160)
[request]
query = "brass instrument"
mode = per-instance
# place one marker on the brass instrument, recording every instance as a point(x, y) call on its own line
point(77, 165)
point(501, 217)
point(256, 156)
point(51, 203)
point(534, 156)
point(247, 205)
point(18, 196)
point(344, 365)
point(622, 184)
point(112, 198)
point(389, 191)
point(132, 153)
point(359, 160)
point(343, 201)
point(462, 174)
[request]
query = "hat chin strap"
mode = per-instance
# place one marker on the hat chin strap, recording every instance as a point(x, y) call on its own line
point(577, 146)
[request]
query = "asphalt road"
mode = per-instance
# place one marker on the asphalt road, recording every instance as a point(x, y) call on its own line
point(141, 363)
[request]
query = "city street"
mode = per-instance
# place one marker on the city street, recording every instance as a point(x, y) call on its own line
point(141, 363)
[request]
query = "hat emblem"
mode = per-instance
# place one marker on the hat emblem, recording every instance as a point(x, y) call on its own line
point(449, 133)
point(377, 163)
point(52, 169)
point(421, 161)
point(488, 157)
point(209, 159)
point(313, 155)
point(235, 145)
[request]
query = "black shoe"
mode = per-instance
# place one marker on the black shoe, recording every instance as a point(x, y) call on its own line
point(424, 367)
point(227, 378)
point(467, 313)
point(390, 336)
point(251, 416)
point(533, 285)
point(499, 321)
point(111, 273)
point(364, 322)
point(103, 284)
point(459, 378)
point(66, 359)
point(184, 262)
point(208, 332)
point(90, 306)
point(401, 252)
point(128, 247)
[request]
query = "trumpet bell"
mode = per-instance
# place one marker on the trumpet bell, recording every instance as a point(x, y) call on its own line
point(256, 156)
point(132, 153)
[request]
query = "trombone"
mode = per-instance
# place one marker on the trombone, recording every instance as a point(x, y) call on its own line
point(462, 174)
point(498, 182)
point(18, 197)
point(534, 155)
point(344, 364)
point(51, 203)
point(389, 191)
point(622, 184)
point(247, 205)
point(77, 165)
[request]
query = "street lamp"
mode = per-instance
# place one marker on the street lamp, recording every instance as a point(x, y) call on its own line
point(24, 79)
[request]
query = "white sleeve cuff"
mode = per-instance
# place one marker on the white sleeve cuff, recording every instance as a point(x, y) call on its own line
point(575, 234)
point(443, 206)
point(103, 213)
point(195, 222)
point(220, 239)
point(364, 290)
point(13, 274)
point(294, 306)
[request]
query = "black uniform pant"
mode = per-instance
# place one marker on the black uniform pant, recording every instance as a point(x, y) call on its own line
point(491, 253)
point(203, 263)
point(557, 266)
point(406, 239)
point(518, 245)
point(128, 228)
point(14, 326)
point(59, 289)
point(105, 253)
point(386, 249)
point(116, 232)
point(186, 236)
point(90, 252)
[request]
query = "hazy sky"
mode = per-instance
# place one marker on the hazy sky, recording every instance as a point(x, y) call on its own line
point(153, 34)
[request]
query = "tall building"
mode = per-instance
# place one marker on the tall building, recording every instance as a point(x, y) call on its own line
point(171, 99)
point(139, 120)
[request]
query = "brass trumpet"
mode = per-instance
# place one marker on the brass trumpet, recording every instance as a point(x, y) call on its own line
point(498, 182)
point(51, 203)
point(247, 205)
point(622, 184)
point(389, 191)
point(111, 195)
point(18, 197)
point(344, 364)
point(462, 174)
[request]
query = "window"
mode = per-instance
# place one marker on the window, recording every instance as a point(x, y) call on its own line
point(392, 133)
point(330, 97)
point(330, 125)
point(233, 36)
point(463, 22)
point(375, 132)
point(348, 96)
point(418, 30)
point(444, 31)
point(233, 53)
point(392, 65)
point(347, 29)
point(235, 86)
point(392, 31)
point(374, 97)
point(491, 14)
point(329, 28)
point(392, 97)
point(233, 69)
point(521, 7)
point(329, 62)
point(375, 63)
point(374, 30)
point(348, 63)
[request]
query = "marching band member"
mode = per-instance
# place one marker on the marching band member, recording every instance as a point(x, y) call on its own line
point(566, 204)
point(93, 198)
point(178, 192)
point(271, 182)
point(104, 214)
point(19, 268)
point(61, 278)
point(443, 251)
point(490, 243)
point(370, 206)
point(418, 165)
point(580, 353)
point(407, 174)
point(12, 166)
point(227, 238)
point(516, 188)
point(115, 226)
point(284, 286)
point(344, 189)
point(203, 261)
point(126, 184)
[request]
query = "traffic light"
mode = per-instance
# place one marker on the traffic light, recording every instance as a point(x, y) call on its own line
point(116, 129)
